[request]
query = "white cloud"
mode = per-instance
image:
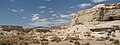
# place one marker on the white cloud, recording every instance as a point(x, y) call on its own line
point(37, 21)
point(13, 10)
point(21, 10)
point(72, 7)
point(35, 17)
point(51, 11)
point(84, 4)
point(16, 10)
point(24, 17)
point(63, 16)
point(41, 11)
point(98, 1)
point(51, 18)
point(61, 20)
point(46, 23)
point(47, 0)
point(50, 8)
point(12, 0)
point(56, 15)
point(42, 7)
point(66, 16)
point(44, 19)
point(69, 11)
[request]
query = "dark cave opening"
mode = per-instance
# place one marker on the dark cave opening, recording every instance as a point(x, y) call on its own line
point(110, 19)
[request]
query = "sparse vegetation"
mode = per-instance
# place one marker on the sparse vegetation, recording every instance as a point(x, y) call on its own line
point(44, 40)
point(12, 41)
point(22, 42)
point(86, 43)
point(111, 39)
point(100, 39)
point(93, 36)
point(35, 41)
point(103, 38)
point(106, 38)
point(56, 39)
point(72, 38)
point(77, 43)
point(116, 42)
point(44, 43)
point(113, 35)
point(71, 41)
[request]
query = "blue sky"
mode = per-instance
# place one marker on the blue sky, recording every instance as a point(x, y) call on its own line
point(32, 13)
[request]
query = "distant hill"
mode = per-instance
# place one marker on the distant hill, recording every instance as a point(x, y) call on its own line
point(41, 27)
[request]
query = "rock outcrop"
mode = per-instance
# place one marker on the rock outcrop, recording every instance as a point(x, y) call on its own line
point(101, 12)
point(10, 27)
point(101, 18)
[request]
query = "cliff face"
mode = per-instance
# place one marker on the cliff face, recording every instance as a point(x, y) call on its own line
point(9, 28)
point(101, 12)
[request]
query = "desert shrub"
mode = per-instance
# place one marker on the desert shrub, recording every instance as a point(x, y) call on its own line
point(93, 36)
point(35, 41)
point(11, 41)
point(88, 35)
point(44, 40)
point(22, 42)
point(111, 39)
point(4, 42)
point(77, 43)
point(21, 38)
point(44, 43)
point(116, 42)
point(86, 43)
point(113, 35)
point(106, 38)
point(56, 39)
point(72, 38)
point(71, 41)
point(101, 39)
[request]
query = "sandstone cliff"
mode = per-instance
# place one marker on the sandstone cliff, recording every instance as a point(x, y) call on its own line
point(101, 12)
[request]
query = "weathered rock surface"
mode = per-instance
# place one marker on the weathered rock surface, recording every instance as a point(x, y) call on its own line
point(101, 17)
point(101, 12)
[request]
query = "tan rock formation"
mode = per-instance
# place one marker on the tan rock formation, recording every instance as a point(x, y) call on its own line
point(101, 12)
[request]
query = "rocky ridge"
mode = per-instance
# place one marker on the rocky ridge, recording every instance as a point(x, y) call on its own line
point(93, 14)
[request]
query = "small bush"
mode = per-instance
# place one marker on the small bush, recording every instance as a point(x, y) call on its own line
point(12, 41)
point(44, 40)
point(56, 39)
point(101, 39)
point(22, 42)
point(71, 41)
point(116, 42)
point(111, 39)
point(93, 36)
point(35, 41)
point(86, 43)
point(72, 38)
point(77, 43)
point(106, 38)
point(44, 43)
point(21, 38)
point(113, 35)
